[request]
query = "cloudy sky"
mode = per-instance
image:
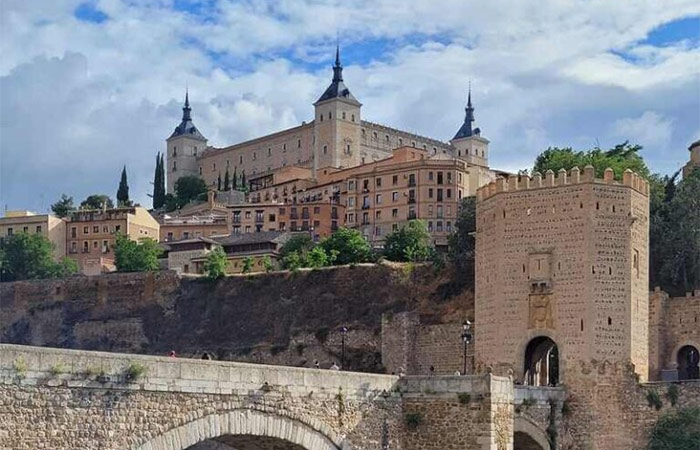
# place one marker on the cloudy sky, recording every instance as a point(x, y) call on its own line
point(88, 86)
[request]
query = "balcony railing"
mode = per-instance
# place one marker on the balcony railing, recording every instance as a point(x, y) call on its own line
point(411, 183)
point(236, 219)
point(411, 216)
point(411, 200)
point(293, 216)
point(365, 206)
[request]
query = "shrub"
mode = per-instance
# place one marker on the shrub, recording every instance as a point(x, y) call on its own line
point(676, 430)
point(348, 245)
point(247, 264)
point(410, 243)
point(464, 398)
point(413, 420)
point(215, 265)
point(20, 366)
point(321, 335)
point(135, 371)
point(267, 264)
point(654, 400)
point(132, 256)
point(57, 369)
point(672, 394)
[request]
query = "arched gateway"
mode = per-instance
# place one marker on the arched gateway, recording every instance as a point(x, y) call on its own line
point(245, 427)
point(541, 362)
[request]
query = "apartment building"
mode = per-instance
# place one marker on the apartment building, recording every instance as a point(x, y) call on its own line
point(91, 235)
point(54, 228)
point(189, 227)
point(318, 218)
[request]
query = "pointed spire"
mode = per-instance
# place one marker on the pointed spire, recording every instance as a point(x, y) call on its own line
point(186, 109)
point(466, 128)
point(337, 67)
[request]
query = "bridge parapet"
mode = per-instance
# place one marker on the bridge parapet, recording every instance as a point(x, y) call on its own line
point(539, 394)
point(33, 366)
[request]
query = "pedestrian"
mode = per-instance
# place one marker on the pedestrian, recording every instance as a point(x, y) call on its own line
point(317, 364)
point(334, 366)
point(172, 353)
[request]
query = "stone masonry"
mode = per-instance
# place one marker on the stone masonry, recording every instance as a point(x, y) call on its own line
point(67, 399)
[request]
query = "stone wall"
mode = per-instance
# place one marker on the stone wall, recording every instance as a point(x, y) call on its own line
point(279, 318)
point(67, 399)
point(415, 347)
point(674, 322)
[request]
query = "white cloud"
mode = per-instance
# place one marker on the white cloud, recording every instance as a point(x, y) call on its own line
point(78, 100)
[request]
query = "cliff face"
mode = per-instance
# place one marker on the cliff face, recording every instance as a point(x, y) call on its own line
point(279, 318)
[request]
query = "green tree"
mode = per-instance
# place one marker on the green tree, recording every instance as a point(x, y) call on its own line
point(132, 256)
point(123, 191)
point(244, 184)
point(349, 246)
point(215, 265)
point(159, 183)
point(317, 257)
point(411, 242)
point(26, 256)
point(675, 230)
point(267, 264)
point(676, 430)
point(227, 181)
point(247, 264)
point(293, 261)
point(299, 243)
point(95, 201)
point(218, 186)
point(189, 188)
point(619, 158)
point(63, 207)
point(170, 203)
point(235, 178)
point(462, 244)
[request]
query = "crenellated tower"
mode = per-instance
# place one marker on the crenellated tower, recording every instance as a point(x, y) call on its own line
point(183, 147)
point(562, 274)
point(337, 124)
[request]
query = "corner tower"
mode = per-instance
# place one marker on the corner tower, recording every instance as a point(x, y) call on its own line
point(562, 274)
point(337, 124)
point(183, 147)
point(468, 143)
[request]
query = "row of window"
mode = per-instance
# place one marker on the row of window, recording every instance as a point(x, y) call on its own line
point(387, 139)
point(95, 230)
point(11, 230)
point(105, 248)
point(343, 115)
point(379, 231)
point(438, 176)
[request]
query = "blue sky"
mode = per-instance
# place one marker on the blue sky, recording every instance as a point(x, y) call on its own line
point(88, 86)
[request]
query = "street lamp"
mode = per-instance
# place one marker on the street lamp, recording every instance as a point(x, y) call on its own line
point(466, 338)
point(343, 332)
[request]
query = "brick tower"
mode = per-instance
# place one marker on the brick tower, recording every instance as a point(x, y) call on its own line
point(562, 274)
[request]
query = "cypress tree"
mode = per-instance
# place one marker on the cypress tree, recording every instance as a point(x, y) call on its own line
point(227, 181)
point(156, 184)
point(218, 187)
point(123, 191)
point(243, 185)
point(161, 181)
point(235, 178)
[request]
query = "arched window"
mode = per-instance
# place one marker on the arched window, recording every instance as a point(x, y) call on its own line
point(541, 362)
point(688, 360)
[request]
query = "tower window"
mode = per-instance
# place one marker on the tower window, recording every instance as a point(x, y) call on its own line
point(343, 115)
point(353, 117)
point(240, 159)
point(174, 151)
point(200, 170)
point(329, 115)
point(325, 149)
point(174, 166)
point(269, 151)
point(298, 143)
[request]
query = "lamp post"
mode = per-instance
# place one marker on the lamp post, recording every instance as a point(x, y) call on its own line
point(343, 332)
point(466, 338)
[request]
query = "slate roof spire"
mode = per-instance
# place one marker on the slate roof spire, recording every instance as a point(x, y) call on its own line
point(466, 129)
point(186, 126)
point(337, 89)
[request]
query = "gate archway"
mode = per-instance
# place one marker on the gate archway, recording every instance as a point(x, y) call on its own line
point(688, 360)
point(541, 366)
point(247, 427)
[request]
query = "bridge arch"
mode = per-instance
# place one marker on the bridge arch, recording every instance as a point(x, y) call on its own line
point(309, 434)
point(528, 436)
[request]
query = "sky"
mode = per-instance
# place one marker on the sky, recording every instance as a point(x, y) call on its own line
point(87, 87)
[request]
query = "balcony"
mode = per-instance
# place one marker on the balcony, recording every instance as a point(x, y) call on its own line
point(411, 200)
point(236, 219)
point(365, 222)
point(411, 183)
point(365, 206)
point(411, 216)
point(305, 216)
point(293, 216)
point(259, 220)
point(334, 215)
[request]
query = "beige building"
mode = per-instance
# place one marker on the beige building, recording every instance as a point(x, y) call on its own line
point(337, 138)
point(188, 255)
point(562, 274)
point(54, 228)
point(91, 235)
point(694, 161)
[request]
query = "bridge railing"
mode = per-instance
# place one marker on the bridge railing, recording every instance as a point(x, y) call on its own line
point(76, 368)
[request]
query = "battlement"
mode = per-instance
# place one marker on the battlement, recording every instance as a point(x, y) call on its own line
point(562, 178)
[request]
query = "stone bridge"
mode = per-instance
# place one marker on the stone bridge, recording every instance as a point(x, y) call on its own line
point(68, 399)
